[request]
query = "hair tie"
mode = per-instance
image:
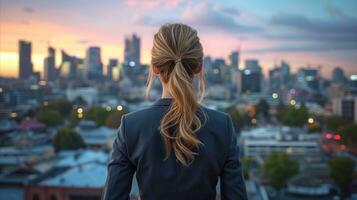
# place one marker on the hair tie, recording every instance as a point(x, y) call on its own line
point(178, 60)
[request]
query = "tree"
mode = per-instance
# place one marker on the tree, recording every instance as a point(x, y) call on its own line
point(63, 106)
point(341, 170)
point(49, 117)
point(333, 123)
point(67, 139)
point(349, 134)
point(237, 118)
point(278, 168)
point(97, 114)
point(247, 162)
point(262, 107)
point(114, 119)
point(293, 116)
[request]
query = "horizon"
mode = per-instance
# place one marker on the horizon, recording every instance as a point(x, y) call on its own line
point(302, 33)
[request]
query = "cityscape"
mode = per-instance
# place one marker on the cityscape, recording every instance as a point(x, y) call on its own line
point(296, 124)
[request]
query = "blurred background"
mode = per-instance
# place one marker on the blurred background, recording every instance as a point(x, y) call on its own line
point(286, 71)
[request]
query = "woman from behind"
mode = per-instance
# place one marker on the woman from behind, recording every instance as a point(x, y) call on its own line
point(178, 148)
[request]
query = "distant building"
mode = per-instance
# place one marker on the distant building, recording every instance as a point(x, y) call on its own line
point(25, 63)
point(279, 77)
point(338, 75)
point(49, 65)
point(96, 137)
point(345, 107)
point(132, 51)
point(308, 78)
point(263, 141)
point(89, 94)
point(234, 59)
point(113, 63)
point(69, 66)
point(250, 79)
point(93, 63)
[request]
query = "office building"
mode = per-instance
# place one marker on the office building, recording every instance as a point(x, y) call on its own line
point(234, 59)
point(279, 77)
point(49, 65)
point(25, 63)
point(113, 63)
point(132, 51)
point(250, 78)
point(93, 63)
point(338, 75)
point(345, 107)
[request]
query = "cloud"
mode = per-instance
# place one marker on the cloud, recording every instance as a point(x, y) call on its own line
point(340, 33)
point(28, 10)
point(209, 16)
point(152, 3)
point(231, 11)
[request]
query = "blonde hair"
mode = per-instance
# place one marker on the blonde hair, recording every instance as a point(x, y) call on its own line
point(177, 54)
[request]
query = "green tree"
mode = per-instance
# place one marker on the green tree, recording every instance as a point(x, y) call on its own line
point(333, 123)
point(67, 139)
point(247, 162)
point(262, 107)
point(63, 106)
point(237, 118)
point(293, 116)
point(349, 134)
point(278, 168)
point(49, 117)
point(97, 114)
point(114, 119)
point(341, 170)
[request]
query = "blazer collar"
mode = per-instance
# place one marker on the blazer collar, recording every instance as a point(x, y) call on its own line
point(163, 102)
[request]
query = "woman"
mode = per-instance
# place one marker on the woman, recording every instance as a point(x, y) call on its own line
point(177, 148)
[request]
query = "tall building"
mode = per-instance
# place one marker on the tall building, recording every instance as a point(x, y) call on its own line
point(250, 79)
point(132, 51)
point(112, 64)
point(308, 78)
point(338, 75)
point(69, 65)
point(279, 76)
point(345, 107)
point(93, 63)
point(25, 64)
point(49, 65)
point(234, 59)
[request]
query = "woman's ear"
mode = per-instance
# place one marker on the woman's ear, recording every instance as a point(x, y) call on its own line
point(198, 69)
point(155, 70)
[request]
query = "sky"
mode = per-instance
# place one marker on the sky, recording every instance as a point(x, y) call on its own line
point(300, 32)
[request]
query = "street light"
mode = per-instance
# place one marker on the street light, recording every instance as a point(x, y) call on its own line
point(119, 107)
point(311, 120)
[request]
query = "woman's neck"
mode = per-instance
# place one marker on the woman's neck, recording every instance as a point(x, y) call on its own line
point(165, 92)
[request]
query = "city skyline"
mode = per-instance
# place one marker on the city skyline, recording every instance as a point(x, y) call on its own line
point(317, 33)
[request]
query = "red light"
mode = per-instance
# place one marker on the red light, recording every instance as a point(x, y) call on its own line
point(328, 136)
point(337, 137)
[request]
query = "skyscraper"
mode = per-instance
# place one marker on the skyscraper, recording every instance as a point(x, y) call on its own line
point(112, 64)
point(338, 75)
point(250, 79)
point(132, 51)
point(93, 63)
point(234, 59)
point(25, 64)
point(69, 66)
point(49, 65)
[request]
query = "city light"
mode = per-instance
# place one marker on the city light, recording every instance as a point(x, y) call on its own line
point(108, 108)
point(275, 95)
point(13, 115)
point(80, 110)
point(1, 90)
point(80, 115)
point(328, 136)
point(353, 77)
point(254, 121)
point(119, 108)
point(337, 137)
point(292, 102)
point(311, 120)
point(45, 103)
point(42, 83)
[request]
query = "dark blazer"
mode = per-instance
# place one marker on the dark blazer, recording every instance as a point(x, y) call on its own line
point(139, 149)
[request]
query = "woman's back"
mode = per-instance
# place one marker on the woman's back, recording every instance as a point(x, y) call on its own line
point(139, 148)
point(177, 148)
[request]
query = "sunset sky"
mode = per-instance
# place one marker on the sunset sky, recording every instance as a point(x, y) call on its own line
point(301, 32)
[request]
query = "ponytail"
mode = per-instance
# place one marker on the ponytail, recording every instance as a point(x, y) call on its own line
point(177, 53)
